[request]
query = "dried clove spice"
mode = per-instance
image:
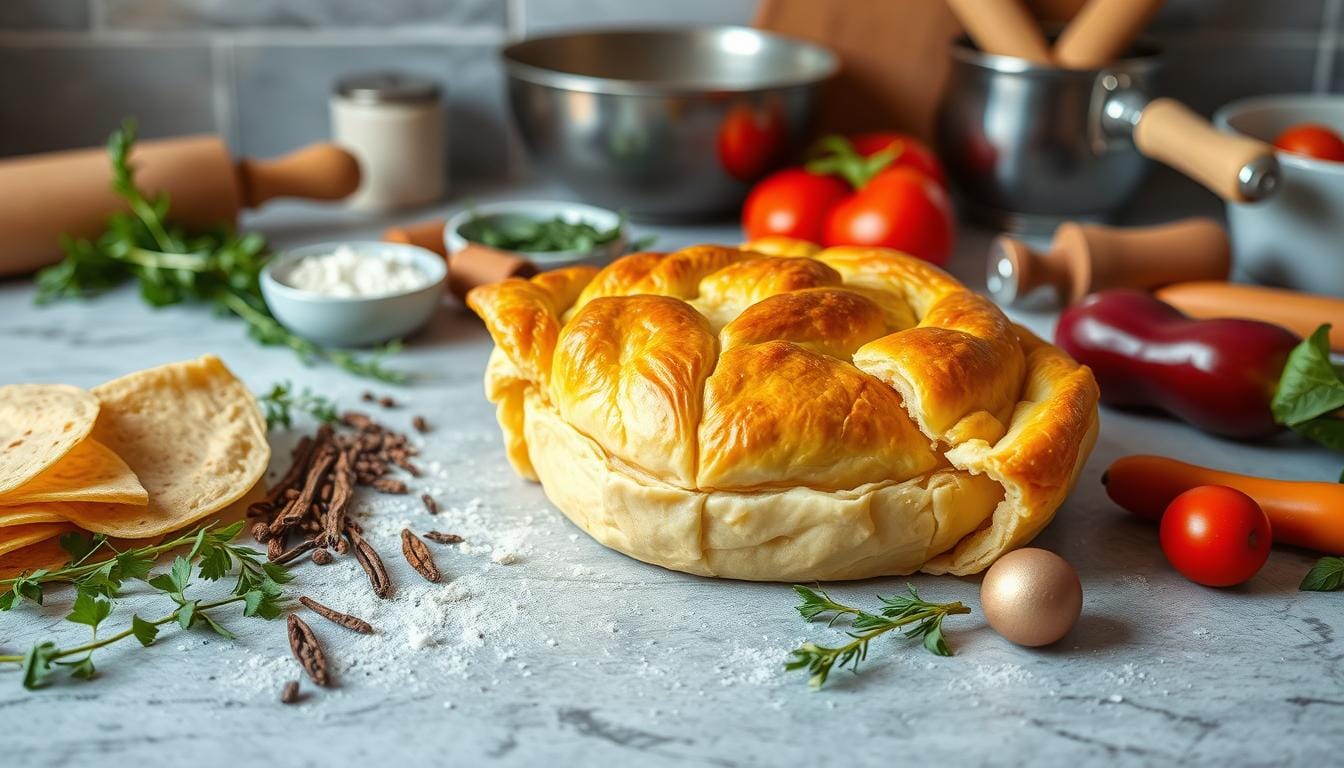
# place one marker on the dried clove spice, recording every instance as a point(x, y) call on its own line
point(444, 538)
point(420, 424)
point(387, 402)
point(321, 557)
point(417, 554)
point(389, 485)
point(369, 560)
point(430, 505)
point(344, 619)
point(292, 554)
point(290, 693)
point(306, 649)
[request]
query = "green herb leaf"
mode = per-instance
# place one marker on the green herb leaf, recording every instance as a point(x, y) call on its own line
point(1327, 575)
point(143, 630)
point(79, 546)
point(281, 403)
point(37, 665)
point(1309, 386)
point(923, 619)
point(186, 614)
point(216, 627)
point(134, 564)
point(82, 669)
point(89, 609)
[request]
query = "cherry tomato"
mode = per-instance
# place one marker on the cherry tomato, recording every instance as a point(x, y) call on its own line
point(1215, 535)
point(1312, 140)
point(751, 141)
point(910, 152)
point(792, 203)
point(901, 208)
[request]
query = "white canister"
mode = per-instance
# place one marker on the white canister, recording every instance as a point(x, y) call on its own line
point(393, 123)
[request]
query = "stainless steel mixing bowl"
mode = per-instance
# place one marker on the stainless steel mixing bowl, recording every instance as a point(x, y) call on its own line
point(664, 124)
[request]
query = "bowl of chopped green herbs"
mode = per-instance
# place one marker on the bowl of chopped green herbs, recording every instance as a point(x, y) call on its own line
point(549, 234)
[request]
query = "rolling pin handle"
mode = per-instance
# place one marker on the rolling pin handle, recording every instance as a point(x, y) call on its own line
point(316, 172)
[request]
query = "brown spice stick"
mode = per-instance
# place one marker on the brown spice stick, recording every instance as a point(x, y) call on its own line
point(343, 490)
point(290, 693)
point(430, 505)
point(444, 538)
point(369, 560)
point(420, 424)
point(293, 552)
point(297, 509)
point(417, 554)
point(344, 619)
point(306, 649)
point(300, 458)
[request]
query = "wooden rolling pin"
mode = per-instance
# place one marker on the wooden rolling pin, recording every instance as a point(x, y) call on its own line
point(70, 192)
point(1301, 313)
point(1102, 31)
point(1085, 258)
point(1002, 27)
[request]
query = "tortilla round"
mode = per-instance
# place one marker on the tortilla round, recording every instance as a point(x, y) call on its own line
point(193, 435)
point(20, 536)
point(28, 514)
point(89, 472)
point(39, 425)
point(47, 555)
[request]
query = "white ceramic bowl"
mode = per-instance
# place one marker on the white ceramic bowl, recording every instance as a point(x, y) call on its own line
point(353, 321)
point(1295, 238)
point(456, 238)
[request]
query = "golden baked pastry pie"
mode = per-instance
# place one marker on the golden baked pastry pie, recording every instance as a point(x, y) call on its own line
point(783, 413)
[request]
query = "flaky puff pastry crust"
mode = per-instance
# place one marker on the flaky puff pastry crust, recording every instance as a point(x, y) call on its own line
point(780, 412)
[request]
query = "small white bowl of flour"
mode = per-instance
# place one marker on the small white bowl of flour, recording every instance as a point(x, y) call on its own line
point(355, 293)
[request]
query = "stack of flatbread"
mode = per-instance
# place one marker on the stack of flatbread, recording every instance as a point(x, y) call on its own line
point(135, 458)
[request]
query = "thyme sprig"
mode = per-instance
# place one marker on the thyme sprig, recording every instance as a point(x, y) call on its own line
point(282, 402)
point(221, 268)
point(923, 619)
point(212, 557)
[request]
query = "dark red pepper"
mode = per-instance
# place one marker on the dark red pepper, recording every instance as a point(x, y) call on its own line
point(1219, 375)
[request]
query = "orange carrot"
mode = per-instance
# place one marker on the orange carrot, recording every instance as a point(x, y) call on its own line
point(1304, 514)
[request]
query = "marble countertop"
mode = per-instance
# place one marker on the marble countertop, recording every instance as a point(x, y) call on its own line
point(547, 647)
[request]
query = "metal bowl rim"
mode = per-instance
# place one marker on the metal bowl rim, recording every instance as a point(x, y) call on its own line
point(1147, 62)
point(572, 81)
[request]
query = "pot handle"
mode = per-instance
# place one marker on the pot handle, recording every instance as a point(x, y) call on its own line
point(1238, 169)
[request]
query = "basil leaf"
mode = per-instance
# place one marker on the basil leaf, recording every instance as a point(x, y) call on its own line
point(1310, 386)
point(1327, 575)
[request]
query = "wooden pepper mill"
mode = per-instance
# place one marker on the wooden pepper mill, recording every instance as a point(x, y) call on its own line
point(1085, 258)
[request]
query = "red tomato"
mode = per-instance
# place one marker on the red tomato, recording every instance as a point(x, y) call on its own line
point(910, 152)
point(1215, 535)
point(792, 203)
point(1312, 140)
point(751, 141)
point(900, 208)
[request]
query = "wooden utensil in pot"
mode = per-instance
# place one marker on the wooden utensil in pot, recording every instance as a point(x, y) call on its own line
point(1085, 258)
point(70, 192)
point(1003, 28)
point(1102, 31)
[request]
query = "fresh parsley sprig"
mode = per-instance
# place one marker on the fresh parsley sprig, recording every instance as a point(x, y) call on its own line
point(281, 403)
point(924, 619)
point(221, 268)
point(212, 556)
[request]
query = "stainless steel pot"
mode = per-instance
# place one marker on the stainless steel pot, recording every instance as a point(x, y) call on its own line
point(665, 124)
point(1029, 146)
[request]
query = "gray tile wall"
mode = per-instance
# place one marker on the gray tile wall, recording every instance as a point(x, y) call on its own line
point(258, 71)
